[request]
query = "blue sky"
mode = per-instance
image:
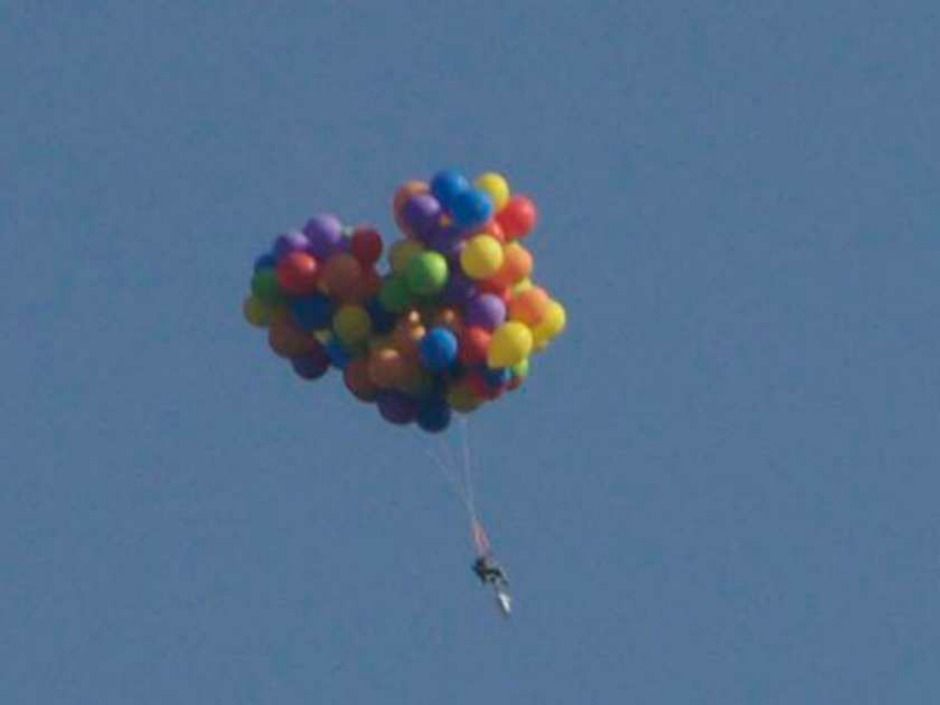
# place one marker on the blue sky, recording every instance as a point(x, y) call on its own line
point(719, 487)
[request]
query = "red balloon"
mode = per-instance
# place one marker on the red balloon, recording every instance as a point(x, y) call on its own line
point(366, 246)
point(474, 342)
point(497, 288)
point(297, 273)
point(518, 217)
point(481, 389)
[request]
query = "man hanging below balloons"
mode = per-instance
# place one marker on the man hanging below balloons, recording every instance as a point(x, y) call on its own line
point(449, 325)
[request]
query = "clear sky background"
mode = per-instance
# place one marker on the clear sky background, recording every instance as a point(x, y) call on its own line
point(720, 487)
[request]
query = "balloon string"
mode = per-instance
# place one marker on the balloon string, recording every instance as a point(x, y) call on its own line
point(467, 474)
point(450, 476)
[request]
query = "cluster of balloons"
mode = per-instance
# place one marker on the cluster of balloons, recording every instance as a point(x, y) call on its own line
point(448, 325)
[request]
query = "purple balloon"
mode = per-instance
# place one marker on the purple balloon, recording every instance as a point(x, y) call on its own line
point(460, 288)
point(446, 239)
point(293, 241)
point(325, 233)
point(312, 365)
point(421, 213)
point(486, 311)
point(397, 408)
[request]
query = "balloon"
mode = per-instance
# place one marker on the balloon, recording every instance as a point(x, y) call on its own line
point(518, 218)
point(293, 241)
point(352, 325)
point(446, 185)
point(358, 381)
point(481, 257)
point(530, 306)
point(426, 273)
point(486, 311)
point(311, 365)
point(297, 273)
point(340, 276)
point(438, 349)
point(287, 340)
point(325, 233)
point(383, 321)
point(496, 187)
point(312, 312)
point(402, 195)
point(481, 388)
point(402, 253)
point(474, 344)
point(265, 287)
point(394, 295)
point(338, 355)
point(265, 261)
point(445, 238)
point(366, 246)
point(511, 344)
point(498, 377)
point(434, 415)
point(471, 208)
point(459, 289)
point(409, 331)
point(446, 322)
point(256, 312)
point(461, 398)
point(517, 265)
point(523, 285)
point(396, 407)
point(420, 214)
point(416, 381)
point(552, 325)
point(386, 367)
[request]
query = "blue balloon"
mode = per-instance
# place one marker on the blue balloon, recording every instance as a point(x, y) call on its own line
point(497, 378)
point(472, 208)
point(438, 349)
point(265, 261)
point(338, 355)
point(434, 415)
point(446, 185)
point(312, 312)
point(382, 321)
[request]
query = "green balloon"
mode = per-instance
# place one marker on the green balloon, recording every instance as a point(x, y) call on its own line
point(520, 369)
point(426, 274)
point(394, 295)
point(265, 287)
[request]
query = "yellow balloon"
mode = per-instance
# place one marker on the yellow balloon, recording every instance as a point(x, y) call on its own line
point(510, 345)
point(481, 257)
point(352, 324)
point(496, 187)
point(256, 312)
point(402, 253)
point(551, 326)
point(461, 398)
point(523, 285)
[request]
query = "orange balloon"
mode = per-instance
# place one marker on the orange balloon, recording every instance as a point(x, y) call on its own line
point(517, 265)
point(287, 340)
point(408, 333)
point(386, 367)
point(340, 276)
point(358, 381)
point(529, 306)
